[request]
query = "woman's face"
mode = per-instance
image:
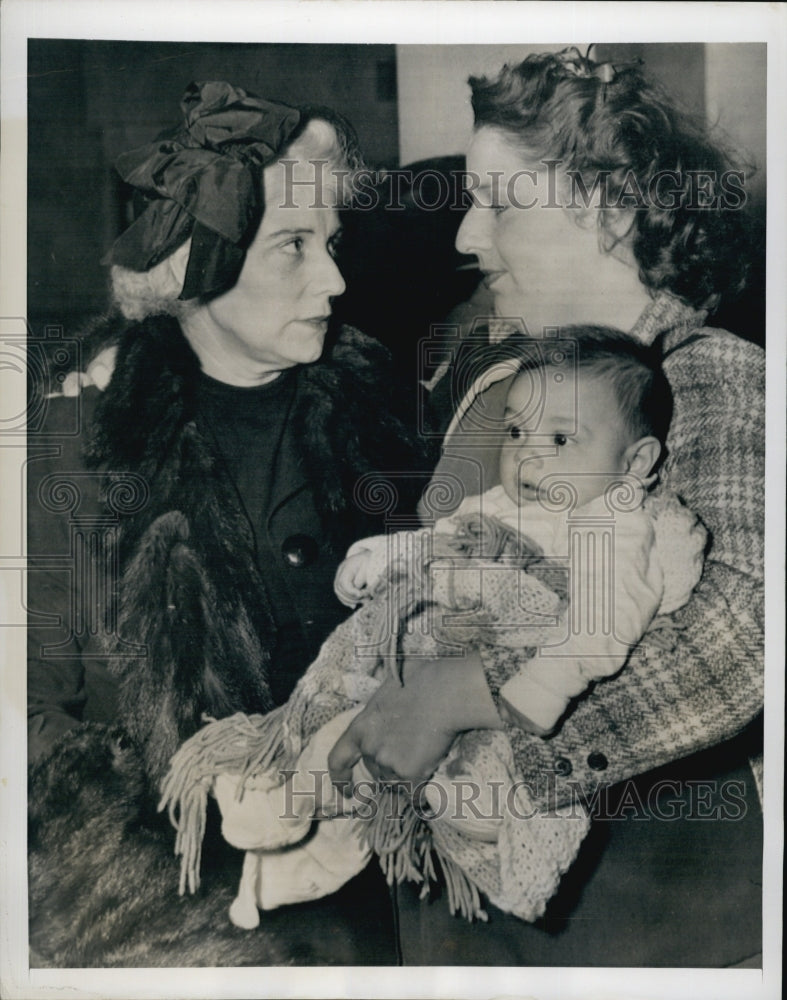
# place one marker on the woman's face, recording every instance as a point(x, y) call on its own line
point(276, 315)
point(541, 261)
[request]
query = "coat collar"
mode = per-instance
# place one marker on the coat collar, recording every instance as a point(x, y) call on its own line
point(669, 318)
point(348, 418)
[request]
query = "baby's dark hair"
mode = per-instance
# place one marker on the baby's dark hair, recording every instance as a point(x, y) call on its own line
point(632, 370)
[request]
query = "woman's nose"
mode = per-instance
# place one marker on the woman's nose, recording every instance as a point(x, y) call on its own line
point(329, 278)
point(472, 236)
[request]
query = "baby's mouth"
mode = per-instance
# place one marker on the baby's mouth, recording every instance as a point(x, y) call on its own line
point(528, 491)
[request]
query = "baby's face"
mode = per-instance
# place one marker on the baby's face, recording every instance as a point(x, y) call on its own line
point(576, 436)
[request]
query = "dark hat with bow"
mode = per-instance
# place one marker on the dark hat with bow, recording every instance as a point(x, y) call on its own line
point(203, 179)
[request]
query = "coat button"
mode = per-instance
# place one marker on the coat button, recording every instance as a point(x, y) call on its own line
point(563, 766)
point(299, 550)
point(597, 761)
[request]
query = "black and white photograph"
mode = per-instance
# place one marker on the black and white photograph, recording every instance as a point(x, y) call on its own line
point(392, 584)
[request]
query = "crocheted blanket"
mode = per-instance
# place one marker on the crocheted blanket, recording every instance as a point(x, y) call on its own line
point(444, 594)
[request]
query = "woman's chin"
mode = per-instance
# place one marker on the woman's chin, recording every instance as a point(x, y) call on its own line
point(314, 354)
point(306, 352)
point(536, 322)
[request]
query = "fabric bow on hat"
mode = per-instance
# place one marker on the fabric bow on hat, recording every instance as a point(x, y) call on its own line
point(204, 180)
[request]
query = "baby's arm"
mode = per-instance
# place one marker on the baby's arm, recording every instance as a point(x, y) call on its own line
point(370, 560)
point(612, 600)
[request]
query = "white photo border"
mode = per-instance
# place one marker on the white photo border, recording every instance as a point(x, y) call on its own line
point(410, 22)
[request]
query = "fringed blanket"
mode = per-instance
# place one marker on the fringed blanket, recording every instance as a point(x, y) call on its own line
point(429, 604)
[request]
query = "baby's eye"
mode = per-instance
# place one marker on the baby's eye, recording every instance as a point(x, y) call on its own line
point(560, 440)
point(514, 432)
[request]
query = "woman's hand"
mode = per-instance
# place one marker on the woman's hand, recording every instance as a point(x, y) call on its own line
point(405, 730)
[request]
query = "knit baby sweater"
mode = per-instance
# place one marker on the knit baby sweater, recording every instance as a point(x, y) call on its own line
point(628, 556)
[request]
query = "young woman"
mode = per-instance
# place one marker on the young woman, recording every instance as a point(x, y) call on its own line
point(595, 200)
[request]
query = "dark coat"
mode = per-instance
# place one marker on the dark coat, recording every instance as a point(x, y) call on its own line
point(148, 610)
point(170, 613)
point(173, 601)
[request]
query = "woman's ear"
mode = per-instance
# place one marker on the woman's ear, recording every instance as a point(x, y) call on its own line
point(641, 456)
point(177, 262)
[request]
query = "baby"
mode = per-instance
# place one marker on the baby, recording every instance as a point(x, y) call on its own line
point(569, 558)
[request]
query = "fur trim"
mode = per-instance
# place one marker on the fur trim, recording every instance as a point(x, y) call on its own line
point(348, 414)
point(202, 653)
point(102, 874)
point(193, 596)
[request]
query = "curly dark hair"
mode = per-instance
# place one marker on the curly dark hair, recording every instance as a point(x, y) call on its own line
point(611, 123)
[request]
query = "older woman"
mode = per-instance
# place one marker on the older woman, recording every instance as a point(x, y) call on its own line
point(185, 526)
point(594, 200)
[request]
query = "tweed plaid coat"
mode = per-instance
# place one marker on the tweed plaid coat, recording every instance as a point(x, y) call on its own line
point(697, 680)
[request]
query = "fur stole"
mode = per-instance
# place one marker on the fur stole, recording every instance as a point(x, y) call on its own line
point(103, 881)
point(190, 591)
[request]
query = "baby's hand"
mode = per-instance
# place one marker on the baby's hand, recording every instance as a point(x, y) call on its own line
point(352, 585)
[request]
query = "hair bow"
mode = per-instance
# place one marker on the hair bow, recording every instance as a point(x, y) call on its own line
point(587, 68)
point(204, 179)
